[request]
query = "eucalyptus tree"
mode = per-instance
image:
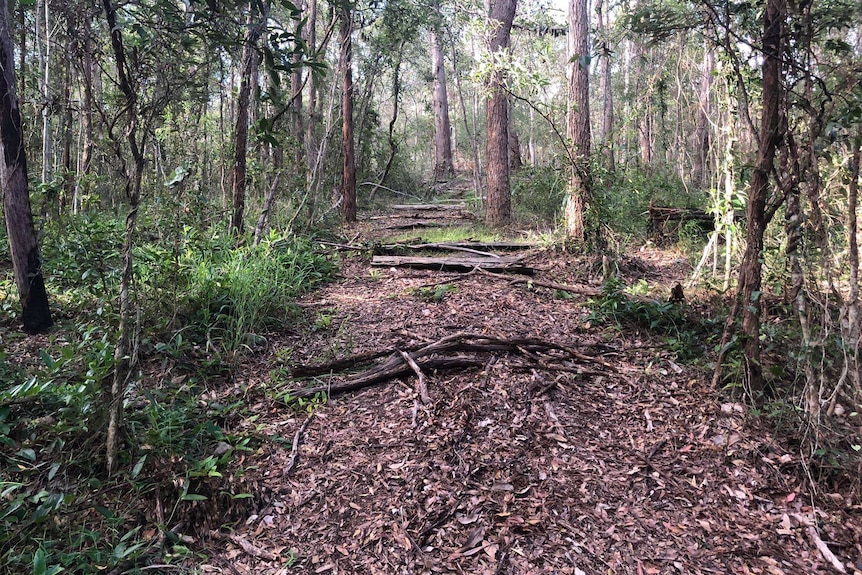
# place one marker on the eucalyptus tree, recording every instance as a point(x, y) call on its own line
point(23, 247)
point(443, 165)
point(578, 120)
point(498, 205)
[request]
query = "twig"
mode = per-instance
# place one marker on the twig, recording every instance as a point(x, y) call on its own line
point(423, 389)
point(253, 550)
point(294, 450)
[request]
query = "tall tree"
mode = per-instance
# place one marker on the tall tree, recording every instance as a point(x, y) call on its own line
point(498, 206)
point(348, 155)
point(578, 120)
point(239, 172)
point(606, 89)
point(23, 247)
point(443, 165)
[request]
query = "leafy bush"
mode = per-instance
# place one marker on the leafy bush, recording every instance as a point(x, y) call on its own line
point(682, 335)
point(538, 194)
point(621, 200)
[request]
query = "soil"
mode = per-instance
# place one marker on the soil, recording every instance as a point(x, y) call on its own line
point(628, 464)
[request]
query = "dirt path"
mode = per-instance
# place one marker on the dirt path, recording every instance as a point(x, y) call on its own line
point(514, 469)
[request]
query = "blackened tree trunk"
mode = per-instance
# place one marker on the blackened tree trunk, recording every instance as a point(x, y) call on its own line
point(443, 165)
point(498, 206)
point(348, 174)
point(578, 120)
point(23, 247)
point(239, 172)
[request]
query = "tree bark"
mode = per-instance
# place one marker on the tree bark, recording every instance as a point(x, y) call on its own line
point(348, 172)
point(515, 161)
point(607, 92)
point(443, 165)
point(239, 172)
point(135, 136)
point(750, 273)
point(578, 120)
point(23, 247)
point(498, 206)
point(703, 142)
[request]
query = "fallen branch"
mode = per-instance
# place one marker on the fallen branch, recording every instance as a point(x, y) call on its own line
point(428, 357)
point(423, 389)
point(294, 450)
point(253, 550)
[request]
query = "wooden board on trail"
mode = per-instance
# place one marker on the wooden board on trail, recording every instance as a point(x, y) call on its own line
point(395, 249)
point(502, 264)
point(429, 207)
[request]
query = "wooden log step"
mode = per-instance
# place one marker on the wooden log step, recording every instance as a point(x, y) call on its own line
point(502, 264)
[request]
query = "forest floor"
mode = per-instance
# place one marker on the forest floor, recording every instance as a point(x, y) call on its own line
point(614, 457)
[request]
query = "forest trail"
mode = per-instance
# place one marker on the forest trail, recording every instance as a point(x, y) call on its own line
point(517, 466)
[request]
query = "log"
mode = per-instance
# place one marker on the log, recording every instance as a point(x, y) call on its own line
point(483, 248)
point(502, 264)
point(429, 207)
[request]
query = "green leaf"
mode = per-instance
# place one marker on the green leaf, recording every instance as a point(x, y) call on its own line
point(192, 497)
point(136, 470)
point(28, 454)
point(107, 513)
point(40, 567)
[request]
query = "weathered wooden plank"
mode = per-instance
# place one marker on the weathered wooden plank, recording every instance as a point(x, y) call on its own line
point(503, 264)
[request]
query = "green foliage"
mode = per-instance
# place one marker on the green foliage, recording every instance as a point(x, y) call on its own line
point(433, 294)
point(235, 294)
point(538, 194)
point(621, 200)
point(682, 335)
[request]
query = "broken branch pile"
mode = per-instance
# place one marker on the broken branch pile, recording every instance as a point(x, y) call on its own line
point(444, 354)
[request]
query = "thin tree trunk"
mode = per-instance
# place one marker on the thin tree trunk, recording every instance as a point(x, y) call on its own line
point(498, 207)
point(750, 272)
point(125, 356)
point(68, 169)
point(578, 120)
point(444, 168)
point(396, 97)
point(471, 133)
point(82, 181)
point(515, 161)
point(47, 103)
point(239, 172)
point(702, 140)
point(23, 247)
point(348, 173)
point(297, 106)
point(607, 91)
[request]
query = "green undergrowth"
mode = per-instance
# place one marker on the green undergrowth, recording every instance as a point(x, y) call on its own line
point(684, 334)
point(449, 234)
point(203, 303)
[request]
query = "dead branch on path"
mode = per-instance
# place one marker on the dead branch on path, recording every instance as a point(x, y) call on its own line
point(443, 354)
point(294, 450)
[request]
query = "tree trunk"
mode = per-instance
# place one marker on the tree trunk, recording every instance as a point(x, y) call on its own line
point(578, 120)
point(515, 161)
point(750, 273)
point(702, 140)
point(498, 206)
point(607, 92)
point(443, 165)
point(348, 173)
point(239, 173)
point(23, 247)
point(296, 106)
point(125, 355)
point(47, 103)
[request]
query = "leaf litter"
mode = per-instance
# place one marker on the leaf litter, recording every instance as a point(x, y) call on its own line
point(512, 467)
